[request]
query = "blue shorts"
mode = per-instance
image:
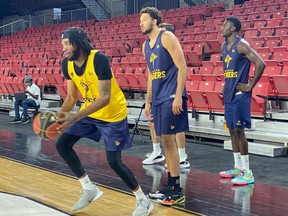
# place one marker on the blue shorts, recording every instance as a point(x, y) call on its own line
point(237, 112)
point(115, 134)
point(166, 122)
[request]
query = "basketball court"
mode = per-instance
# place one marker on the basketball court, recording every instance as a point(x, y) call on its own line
point(33, 174)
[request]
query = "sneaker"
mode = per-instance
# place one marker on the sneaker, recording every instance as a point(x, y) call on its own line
point(86, 197)
point(184, 164)
point(244, 178)
point(183, 157)
point(154, 158)
point(173, 198)
point(25, 121)
point(143, 207)
point(160, 194)
point(232, 173)
point(16, 121)
point(148, 154)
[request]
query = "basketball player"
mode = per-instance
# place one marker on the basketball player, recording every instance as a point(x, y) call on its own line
point(103, 112)
point(156, 155)
point(237, 58)
point(166, 90)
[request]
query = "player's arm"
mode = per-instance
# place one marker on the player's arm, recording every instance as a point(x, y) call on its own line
point(172, 45)
point(72, 92)
point(71, 98)
point(245, 49)
point(102, 101)
point(149, 89)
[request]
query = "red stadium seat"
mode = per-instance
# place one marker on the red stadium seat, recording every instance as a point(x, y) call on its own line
point(259, 99)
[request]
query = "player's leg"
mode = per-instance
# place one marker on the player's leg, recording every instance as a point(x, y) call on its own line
point(181, 142)
point(156, 155)
point(168, 126)
point(244, 121)
point(231, 120)
point(64, 146)
point(121, 137)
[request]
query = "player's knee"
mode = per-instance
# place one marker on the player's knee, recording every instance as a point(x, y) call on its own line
point(113, 163)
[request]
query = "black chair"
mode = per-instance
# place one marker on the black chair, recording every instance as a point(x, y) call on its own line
point(136, 129)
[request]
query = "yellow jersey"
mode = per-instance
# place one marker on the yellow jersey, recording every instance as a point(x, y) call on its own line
point(88, 87)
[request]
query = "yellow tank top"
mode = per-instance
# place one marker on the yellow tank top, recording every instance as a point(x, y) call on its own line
point(87, 85)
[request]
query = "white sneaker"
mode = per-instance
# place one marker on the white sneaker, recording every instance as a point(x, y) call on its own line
point(143, 207)
point(183, 157)
point(86, 197)
point(148, 154)
point(154, 158)
point(184, 164)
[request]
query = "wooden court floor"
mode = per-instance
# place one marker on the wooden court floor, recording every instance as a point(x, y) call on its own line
point(62, 191)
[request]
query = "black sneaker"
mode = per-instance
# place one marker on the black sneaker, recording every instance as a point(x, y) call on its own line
point(25, 121)
point(173, 198)
point(161, 193)
point(16, 121)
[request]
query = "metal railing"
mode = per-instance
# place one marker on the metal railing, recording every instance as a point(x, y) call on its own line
point(13, 27)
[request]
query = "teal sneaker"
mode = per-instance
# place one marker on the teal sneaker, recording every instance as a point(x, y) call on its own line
point(245, 177)
point(232, 173)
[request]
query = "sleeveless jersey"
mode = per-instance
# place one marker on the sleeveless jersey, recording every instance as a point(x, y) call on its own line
point(236, 69)
point(163, 72)
point(87, 85)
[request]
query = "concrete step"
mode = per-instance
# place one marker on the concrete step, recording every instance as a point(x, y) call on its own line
point(269, 150)
point(272, 126)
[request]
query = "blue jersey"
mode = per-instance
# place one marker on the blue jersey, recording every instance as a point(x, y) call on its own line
point(163, 72)
point(236, 69)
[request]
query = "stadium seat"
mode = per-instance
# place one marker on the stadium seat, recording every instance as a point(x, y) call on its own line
point(215, 98)
point(259, 99)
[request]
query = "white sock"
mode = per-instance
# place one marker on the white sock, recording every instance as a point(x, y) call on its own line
point(139, 194)
point(237, 160)
point(86, 183)
point(156, 148)
point(245, 162)
point(182, 154)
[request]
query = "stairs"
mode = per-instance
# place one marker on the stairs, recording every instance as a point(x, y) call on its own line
point(101, 9)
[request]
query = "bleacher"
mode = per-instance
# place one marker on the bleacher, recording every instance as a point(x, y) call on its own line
point(37, 51)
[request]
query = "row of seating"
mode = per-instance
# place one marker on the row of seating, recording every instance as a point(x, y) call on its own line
point(207, 96)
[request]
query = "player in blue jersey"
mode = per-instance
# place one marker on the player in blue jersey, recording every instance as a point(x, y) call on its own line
point(155, 156)
point(166, 90)
point(237, 58)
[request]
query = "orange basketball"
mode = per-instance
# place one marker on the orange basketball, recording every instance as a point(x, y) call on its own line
point(44, 124)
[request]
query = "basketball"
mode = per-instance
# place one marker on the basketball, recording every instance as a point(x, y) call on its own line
point(44, 124)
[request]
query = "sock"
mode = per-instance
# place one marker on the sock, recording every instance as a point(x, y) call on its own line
point(156, 148)
point(182, 154)
point(139, 194)
point(237, 160)
point(86, 183)
point(245, 162)
point(176, 183)
point(169, 179)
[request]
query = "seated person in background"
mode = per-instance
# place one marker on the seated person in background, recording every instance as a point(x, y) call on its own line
point(33, 100)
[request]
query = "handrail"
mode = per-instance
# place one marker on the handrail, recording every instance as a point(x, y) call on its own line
point(12, 23)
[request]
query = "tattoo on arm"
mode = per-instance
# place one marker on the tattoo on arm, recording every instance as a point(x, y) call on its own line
point(104, 88)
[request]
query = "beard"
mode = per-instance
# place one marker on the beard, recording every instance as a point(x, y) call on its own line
point(75, 55)
point(147, 31)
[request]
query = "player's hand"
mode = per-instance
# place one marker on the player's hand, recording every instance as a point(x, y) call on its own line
point(147, 111)
point(177, 106)
point(244, 87)
point(66, 119)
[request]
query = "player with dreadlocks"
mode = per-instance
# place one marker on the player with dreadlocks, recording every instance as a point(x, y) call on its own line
point(104, 113)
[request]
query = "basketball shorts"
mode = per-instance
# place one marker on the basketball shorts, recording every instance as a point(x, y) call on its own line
point(237, 112)
point(166, 122)
point(115, 134)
